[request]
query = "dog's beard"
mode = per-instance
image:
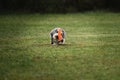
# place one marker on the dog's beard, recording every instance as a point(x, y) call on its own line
point(56, 39)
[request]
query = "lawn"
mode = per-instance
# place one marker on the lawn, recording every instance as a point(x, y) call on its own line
point(91, 50)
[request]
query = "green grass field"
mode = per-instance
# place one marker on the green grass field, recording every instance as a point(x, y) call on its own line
point(91, 51)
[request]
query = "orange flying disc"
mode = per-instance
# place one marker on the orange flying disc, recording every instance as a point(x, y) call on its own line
point(59, 34)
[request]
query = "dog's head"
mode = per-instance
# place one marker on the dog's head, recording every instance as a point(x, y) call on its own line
point(57, 37)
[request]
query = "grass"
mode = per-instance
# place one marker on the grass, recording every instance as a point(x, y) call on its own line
point(91, 51)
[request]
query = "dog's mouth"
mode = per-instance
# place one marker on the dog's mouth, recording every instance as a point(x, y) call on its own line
point(57, 38)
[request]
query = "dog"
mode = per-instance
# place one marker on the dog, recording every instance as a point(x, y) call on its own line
point(57, 36)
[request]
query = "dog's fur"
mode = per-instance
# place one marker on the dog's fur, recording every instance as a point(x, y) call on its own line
point(54, 36)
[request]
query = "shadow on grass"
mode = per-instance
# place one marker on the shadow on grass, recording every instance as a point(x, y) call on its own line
point(52, 45)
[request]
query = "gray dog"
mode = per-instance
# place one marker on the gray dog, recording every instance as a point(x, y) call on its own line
point(57, 36)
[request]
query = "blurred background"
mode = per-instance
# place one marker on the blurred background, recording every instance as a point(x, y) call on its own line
point(58, 6)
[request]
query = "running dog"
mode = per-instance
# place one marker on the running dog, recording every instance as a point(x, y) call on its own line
point(57, 36)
